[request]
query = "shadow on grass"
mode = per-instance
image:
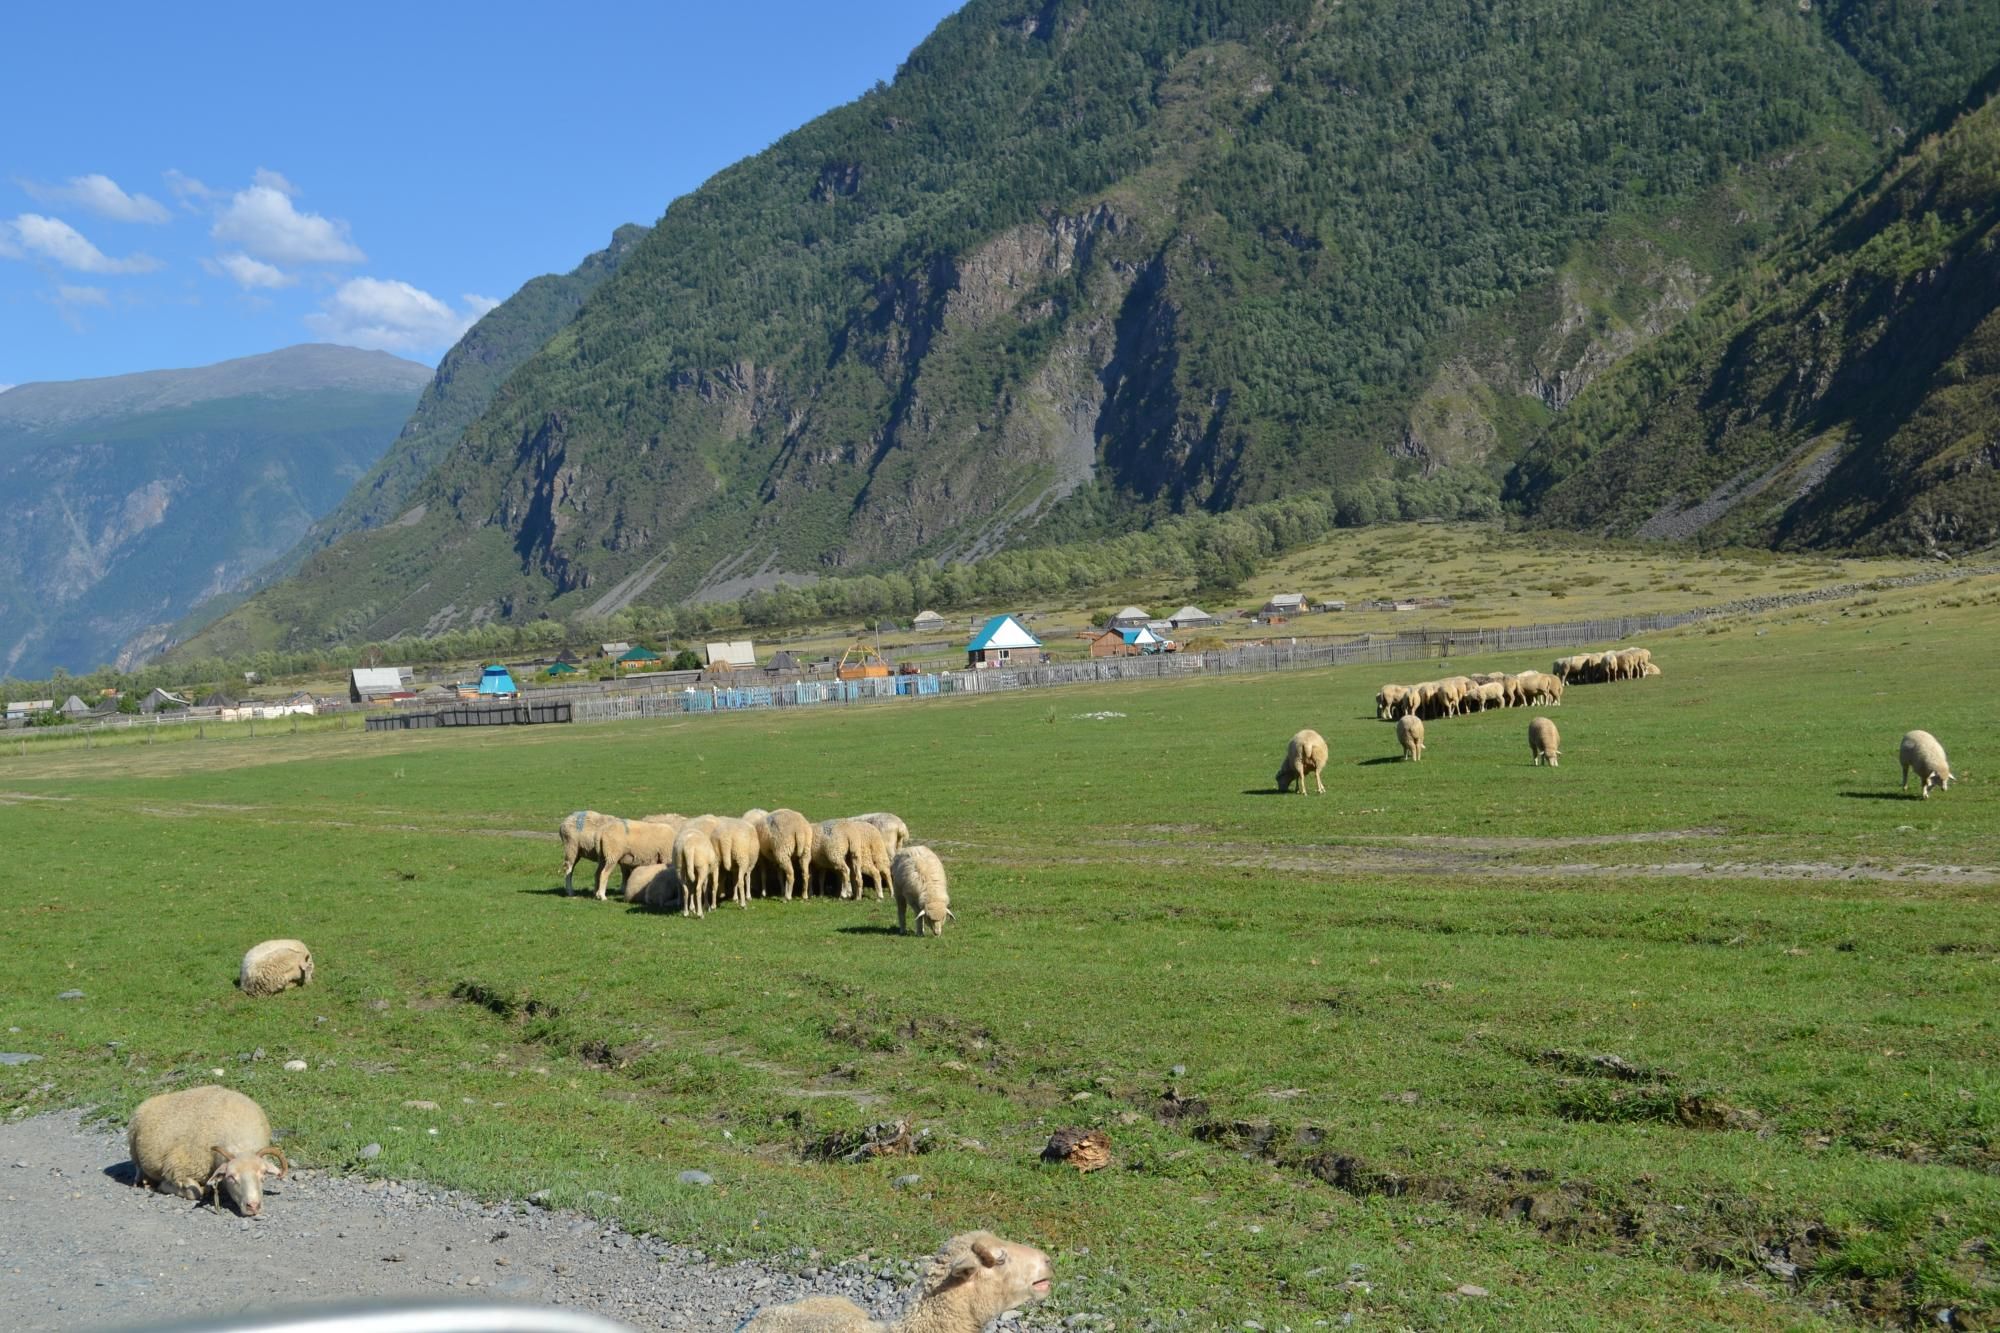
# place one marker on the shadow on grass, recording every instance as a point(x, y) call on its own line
point(1384, 759)
point(1879, 796)
point(868, 930)
point(1267, 791)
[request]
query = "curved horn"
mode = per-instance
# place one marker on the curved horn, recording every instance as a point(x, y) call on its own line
point(990, 1255)
point(273, 1150)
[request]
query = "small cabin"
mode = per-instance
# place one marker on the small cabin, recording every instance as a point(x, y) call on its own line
point(998, 640)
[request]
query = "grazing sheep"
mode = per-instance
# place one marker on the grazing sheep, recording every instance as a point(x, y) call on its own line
point(1305, 754)
point(736, 851)
point(868, 854)
point(1543, 741)
point(759, 876)
point(674, 822)
point(199, 1139)
point(275, 965)
point(1492, 694)
point(580, 841)
point(975, 1278)
point(1388, 699)
point(785, 839)
point(696, 869)
point(1410, 735)
point(829, 854)
point(1920, 751)
point(920, 888)
point(894, 831)
point(627, 843)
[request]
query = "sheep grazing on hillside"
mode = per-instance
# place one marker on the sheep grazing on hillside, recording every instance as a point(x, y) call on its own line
point(199, 1139)
point(1920, 751)
point(1388, 699)
point(975, 1278)
point(736, 852)
point(785, 840)
point(920, 887)
point(275, 965)
point(868, 856)
point(579, 832)
point(1305, 755)
point(1543, 742)
point(829, 855)
point(1410, 735)
point(695, 867)
point(894, 831)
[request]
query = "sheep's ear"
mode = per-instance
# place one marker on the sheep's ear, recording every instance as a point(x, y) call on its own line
point(992, 1256)
point(220, 1169)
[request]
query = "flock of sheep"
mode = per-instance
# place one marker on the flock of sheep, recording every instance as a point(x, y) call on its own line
point(672, 860)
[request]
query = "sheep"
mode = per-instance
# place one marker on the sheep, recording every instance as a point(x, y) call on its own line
point(579, 833)
point(785, 839)
point(628, 843)
point(696, 869)
point(736, 852)
point(275, 965)
point(894, 831)
point(1555, 685)
point(868, 854)
point(1388, 699)
point(829, 854)
point(654, 886)
point(1920, 751)
point(1490, 695)
point(204, 1138)
point(1410, 735)
point(1543, 741)
point(674, 822)
point(759, 876)
point(975, 1278)
point(920, 887)
point(1305, 754)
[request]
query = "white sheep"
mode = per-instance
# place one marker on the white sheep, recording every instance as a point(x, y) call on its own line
point(1388, 699)
point(1920, 751)
point(1305, 754)
point(204, 1138)
point(868, 854)
point(829, 854)
point(894, 831)
point(736, 851)
point(1410, 735)
point(275, 965)
point(695, 866)
point(973, 1280)
point(920, 887)
point(654, 886)
point(1543, 741)
point(785, 840)
point(579, 834)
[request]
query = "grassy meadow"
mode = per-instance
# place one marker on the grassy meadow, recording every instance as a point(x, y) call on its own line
point(1697, 1030)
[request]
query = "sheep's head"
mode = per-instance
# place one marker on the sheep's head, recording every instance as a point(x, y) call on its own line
point(240, 1176)
point(990, 1275)
point(306, 971)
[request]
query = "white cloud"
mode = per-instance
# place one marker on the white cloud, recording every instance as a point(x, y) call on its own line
point(261, 221)
point(249, 273)
point(101, 195)
point(394, 316)
point(52, 238)
point(67, 295)
point(191, 192)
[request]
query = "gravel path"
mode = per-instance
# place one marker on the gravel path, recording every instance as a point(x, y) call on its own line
point(80, 1248)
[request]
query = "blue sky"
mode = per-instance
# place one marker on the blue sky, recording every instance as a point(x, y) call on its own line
point(183, 184)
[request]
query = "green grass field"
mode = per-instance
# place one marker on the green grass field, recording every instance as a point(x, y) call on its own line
point(1697, 1030)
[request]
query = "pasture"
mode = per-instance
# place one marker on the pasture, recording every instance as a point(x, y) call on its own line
point(1697, 1030)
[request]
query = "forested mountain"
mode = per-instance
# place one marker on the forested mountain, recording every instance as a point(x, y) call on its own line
point(131, 498)
point(1084, 265)
point(1849, 395)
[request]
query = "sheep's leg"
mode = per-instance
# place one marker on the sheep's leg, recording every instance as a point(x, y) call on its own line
point(1318, 780)
point(569, 870)
point(1906, 777)
point(903, 918)
point(604, 876)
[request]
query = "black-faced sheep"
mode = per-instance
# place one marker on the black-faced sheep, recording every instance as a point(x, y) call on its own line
point(275, 965)
point(1305, 755)
point(975, 1278)
point(1920, 751)
point(199, 1139)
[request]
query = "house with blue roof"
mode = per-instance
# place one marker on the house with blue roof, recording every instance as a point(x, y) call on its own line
point(998, 640)
point(496, 682)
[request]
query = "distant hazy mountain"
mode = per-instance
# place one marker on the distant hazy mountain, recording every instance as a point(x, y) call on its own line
point(466, 381)
point(130, 499)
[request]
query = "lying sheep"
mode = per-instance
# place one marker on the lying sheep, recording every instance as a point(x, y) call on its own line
point(695, 867)
point(894, 831)
point(275, 965)
point(920, 887)
point(199, 1139)
point(975, 1278)
point(1305, 754)
point(829, 854)
point(1543, 741)
point(785, 840)
point(655, 886)
point(868, 856)
point(736, 851)
point(1920, 751)
point(1410, 735)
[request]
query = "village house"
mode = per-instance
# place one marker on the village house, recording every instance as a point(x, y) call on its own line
point(998, 640)
point(1130, 618)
